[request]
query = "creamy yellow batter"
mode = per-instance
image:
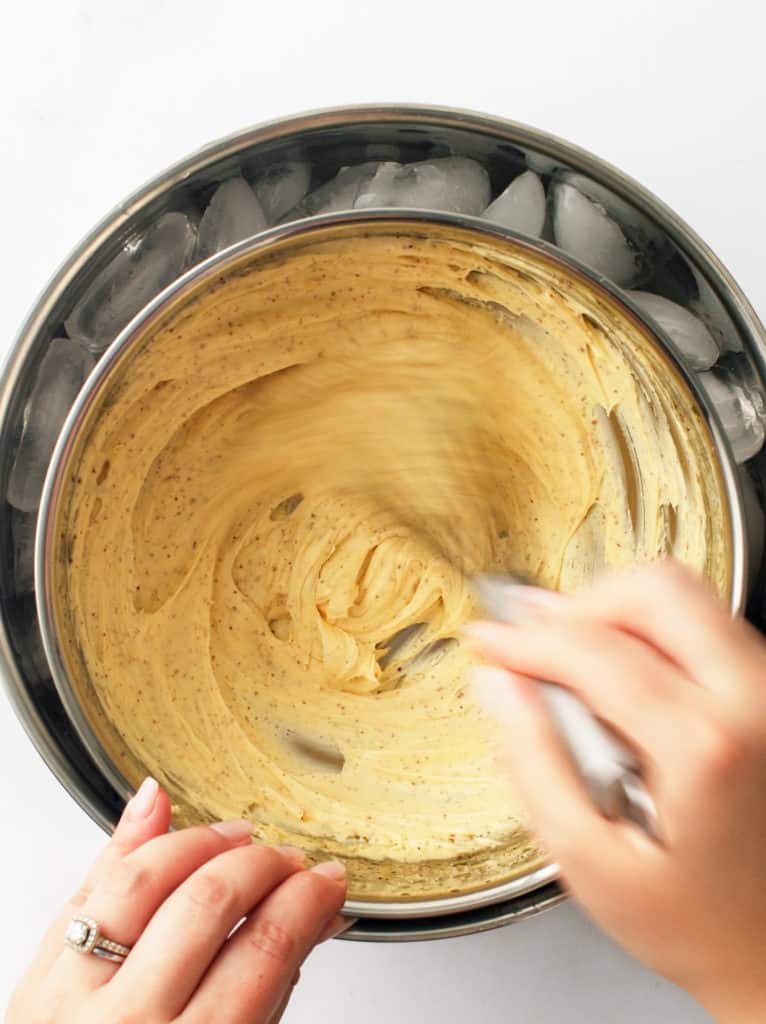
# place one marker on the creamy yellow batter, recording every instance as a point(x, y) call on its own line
point(310, 459)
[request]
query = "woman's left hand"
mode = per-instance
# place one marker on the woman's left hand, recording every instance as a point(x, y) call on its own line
point(175, 899)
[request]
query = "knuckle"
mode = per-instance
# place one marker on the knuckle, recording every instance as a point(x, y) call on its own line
point(642, 585)
point(666, 572)
point(269, 937)
point(602, 642)
point(265, 858)
point(672, 579)
point(128, 880)
point(568, 635)
point(119, 846)
point(595, 643)
point(80, 898)
point(721, 752)
point(211, 891)
point(315, 896)
point(670, 570)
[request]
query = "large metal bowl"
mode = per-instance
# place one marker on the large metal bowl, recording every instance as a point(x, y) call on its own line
point(330, 139)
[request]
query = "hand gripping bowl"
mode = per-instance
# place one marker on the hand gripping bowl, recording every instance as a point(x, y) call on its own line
point(683, 270)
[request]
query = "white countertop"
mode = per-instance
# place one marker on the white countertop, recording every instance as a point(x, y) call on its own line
point(97, 96)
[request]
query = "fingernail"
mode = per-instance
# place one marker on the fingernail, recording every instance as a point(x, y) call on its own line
point(142, 803)
point(336, 926)
point(293, 853)
point(331, 869)
point(494, 689)
point(238, 828)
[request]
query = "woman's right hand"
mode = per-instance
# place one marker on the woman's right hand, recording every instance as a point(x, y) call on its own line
point(657, 656)
point(175, 898)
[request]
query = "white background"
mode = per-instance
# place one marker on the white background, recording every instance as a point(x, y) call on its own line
point(97, 96)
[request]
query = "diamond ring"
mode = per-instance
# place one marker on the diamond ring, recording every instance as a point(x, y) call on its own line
point(84, 936)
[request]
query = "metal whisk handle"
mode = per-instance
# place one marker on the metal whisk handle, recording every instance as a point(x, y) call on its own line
point(608, 768)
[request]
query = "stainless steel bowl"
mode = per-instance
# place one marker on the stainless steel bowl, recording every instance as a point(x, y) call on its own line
point(329, 139)
point(70, 675)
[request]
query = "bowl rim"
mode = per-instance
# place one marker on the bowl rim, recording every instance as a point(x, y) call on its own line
point(194, 281)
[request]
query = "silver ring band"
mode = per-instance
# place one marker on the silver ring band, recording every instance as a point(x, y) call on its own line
point(83, 935)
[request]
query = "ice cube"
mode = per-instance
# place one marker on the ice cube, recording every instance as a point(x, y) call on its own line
point(61, 374)
point(453, 183)
point(134, 277)
point(232, 214)
point(521, 206)
point(282, 187)
point(23, 526)
point(380, 190)
point(339, 193)
point(448, 183)
point(583, 228)
point(645, 235)
point(741, 410)
point(691, 336)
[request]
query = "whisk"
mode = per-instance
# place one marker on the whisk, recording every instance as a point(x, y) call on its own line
point(436, 476)
point(418, 440)
point(609, 769)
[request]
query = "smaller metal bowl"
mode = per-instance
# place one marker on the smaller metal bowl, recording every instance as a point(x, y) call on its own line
point(51, 555)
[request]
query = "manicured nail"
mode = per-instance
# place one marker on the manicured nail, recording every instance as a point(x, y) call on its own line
point(336, 926)
point(238, 828)
point(495, 690)
point(142, 804)
point(331, 869)
point(293, 853)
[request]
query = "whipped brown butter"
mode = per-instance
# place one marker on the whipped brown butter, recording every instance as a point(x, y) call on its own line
point(235, 573)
